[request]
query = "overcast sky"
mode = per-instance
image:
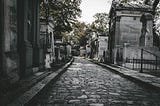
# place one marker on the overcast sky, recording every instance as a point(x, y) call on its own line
point(91, 7)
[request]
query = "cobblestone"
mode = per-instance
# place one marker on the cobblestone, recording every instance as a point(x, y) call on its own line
point(88, 84)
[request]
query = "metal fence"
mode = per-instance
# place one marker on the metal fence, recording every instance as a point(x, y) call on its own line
point(143, 63)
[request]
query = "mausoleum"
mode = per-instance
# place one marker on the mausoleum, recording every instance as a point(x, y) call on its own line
point(130, 31)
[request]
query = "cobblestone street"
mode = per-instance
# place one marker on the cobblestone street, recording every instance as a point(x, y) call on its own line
point(87, 84)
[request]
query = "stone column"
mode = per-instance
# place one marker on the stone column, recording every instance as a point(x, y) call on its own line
point(124, 52)
point(117, 37)
point(115, 55)
point(36, 57)
point(24, 41)
point(1, 35)
point(117, 30)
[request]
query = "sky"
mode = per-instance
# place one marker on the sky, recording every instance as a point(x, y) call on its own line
point(91, 7)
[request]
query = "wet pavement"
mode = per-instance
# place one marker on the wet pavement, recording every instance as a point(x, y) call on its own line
point(88, 84)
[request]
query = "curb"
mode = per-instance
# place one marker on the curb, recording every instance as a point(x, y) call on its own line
point(27, 97)
point(133, 77)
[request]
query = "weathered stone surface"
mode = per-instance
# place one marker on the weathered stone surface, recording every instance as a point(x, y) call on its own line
point(96, 86)
point(135, 75)
point(74, 101)
point(94, 96)
point(91, 100)
point(82, 97)
point(96, 104)
point(30, 94)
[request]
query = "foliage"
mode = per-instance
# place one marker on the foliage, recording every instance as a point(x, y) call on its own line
point(78, 36)
point(82, 32)
point(63, 12)
point(100, 24)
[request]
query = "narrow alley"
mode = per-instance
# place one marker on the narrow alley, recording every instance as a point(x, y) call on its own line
point(88, 84)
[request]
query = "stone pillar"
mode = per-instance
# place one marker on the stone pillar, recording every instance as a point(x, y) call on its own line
point(20, 33)
point(36, 57)
point(124, 52)
point(1, 35)
point(115, 55)
point(117, 38)
point(24, 41)
point(117, 31)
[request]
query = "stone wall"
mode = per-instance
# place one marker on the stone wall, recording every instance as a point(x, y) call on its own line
point(130, 30)
point(135, 53)
point(10, 40)
point(19, 32)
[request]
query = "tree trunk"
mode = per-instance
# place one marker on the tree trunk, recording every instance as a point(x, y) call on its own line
point(154, 6)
